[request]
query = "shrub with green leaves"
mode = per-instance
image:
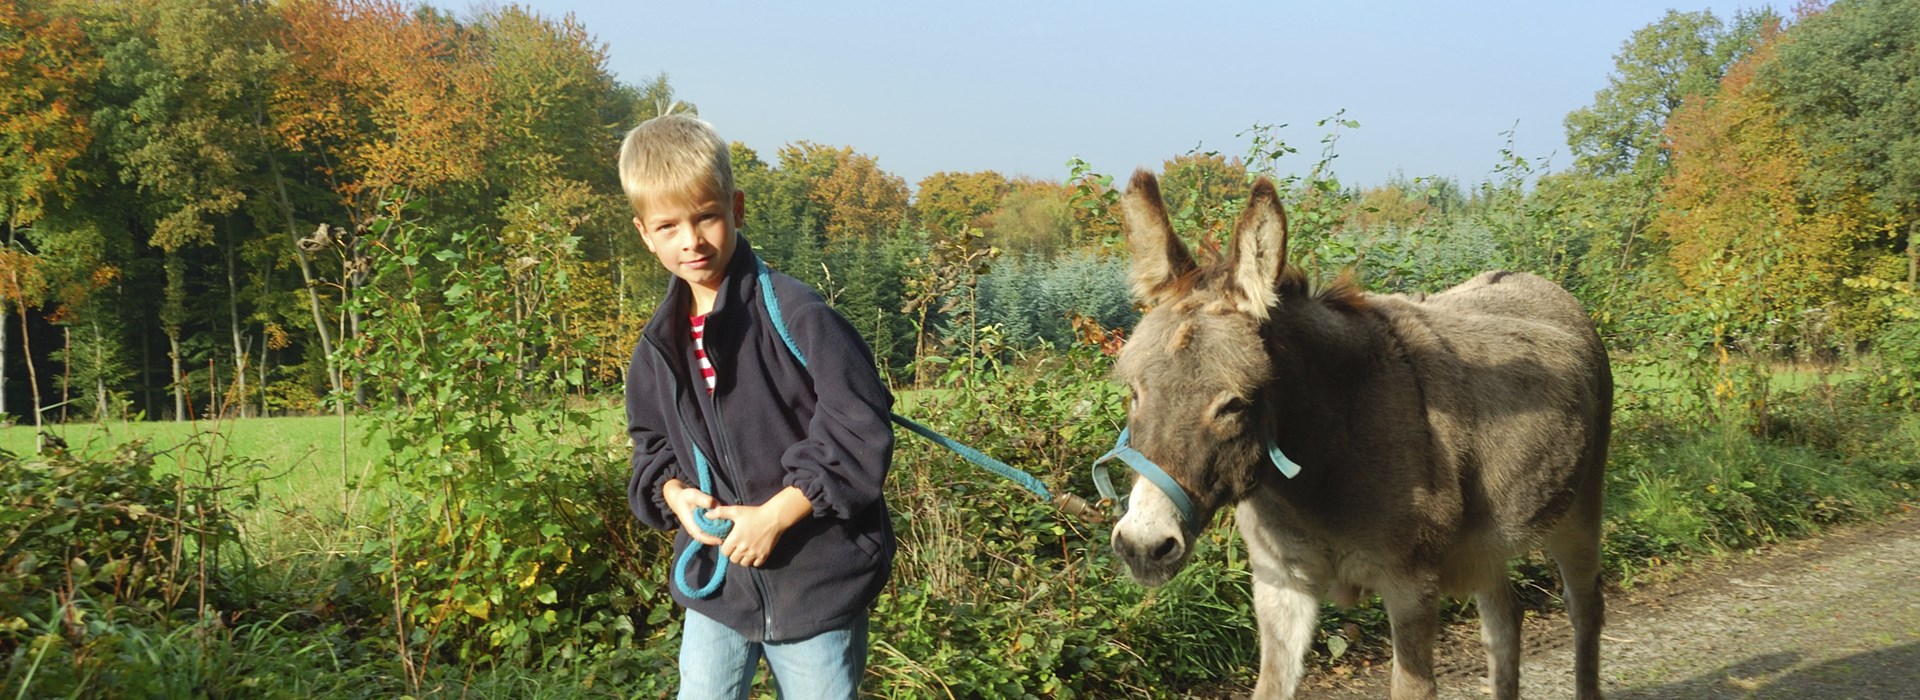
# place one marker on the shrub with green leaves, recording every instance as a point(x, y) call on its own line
point(503, 537)
point(93, 548)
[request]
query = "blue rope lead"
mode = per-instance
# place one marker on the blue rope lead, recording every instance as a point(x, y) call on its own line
point(972, 455)
point(975, 456)
point(720, 528)
point(717, 528)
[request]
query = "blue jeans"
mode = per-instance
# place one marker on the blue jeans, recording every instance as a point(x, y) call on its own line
point(716, 663)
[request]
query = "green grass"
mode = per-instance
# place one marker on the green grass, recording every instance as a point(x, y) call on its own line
point(302, 458)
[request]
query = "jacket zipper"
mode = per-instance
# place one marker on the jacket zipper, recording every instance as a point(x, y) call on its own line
point(723, 442)
point(759, 586)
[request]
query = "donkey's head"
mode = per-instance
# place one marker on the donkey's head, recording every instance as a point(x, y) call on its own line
point(1197, 365)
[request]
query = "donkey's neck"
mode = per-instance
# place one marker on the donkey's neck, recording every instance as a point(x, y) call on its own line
point(1308, 336)
point(1326, 355)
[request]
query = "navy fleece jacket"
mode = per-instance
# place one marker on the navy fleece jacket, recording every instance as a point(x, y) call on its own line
point(769, 423)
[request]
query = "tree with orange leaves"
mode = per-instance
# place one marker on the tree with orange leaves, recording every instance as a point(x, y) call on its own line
point(387, 105)
point(948, 202)
point(46, 69)
point(1745, 238)
point(856, 198)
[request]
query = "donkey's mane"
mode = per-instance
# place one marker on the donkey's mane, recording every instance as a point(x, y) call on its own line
point(1342, 294)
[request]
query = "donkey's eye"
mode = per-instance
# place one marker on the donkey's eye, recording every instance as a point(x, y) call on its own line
point(1231, 406)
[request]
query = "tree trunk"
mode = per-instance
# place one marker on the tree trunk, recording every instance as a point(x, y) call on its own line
point(33, 378)
point(179, 377)
point(3, 370)
point(233, 314)
point(172, 315)
point(1913, 254)
point(263, 378)
point(66, 372)
point(12, 225)
point(306, 274)
point(99, 376)
point(355, 279)
point(146, 373)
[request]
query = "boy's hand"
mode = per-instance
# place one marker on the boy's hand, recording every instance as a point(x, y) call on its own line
point(683, 499)
point(756, 529)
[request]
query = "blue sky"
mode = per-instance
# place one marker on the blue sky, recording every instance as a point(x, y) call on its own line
point(1020, 87)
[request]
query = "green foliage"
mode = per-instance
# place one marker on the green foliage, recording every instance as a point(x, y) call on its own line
point(112, 531)
point(502, 539)
point(98, 550)
point(1846, 75)
point(1679, 489)
point(1033, 300)
point(1897, 349)
point(996, 594)
point(1661, 65)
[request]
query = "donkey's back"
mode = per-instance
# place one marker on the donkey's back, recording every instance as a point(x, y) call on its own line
point(1519, 395)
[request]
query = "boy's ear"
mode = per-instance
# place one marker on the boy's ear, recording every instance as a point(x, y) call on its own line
point(739, 207)
point(644, 238)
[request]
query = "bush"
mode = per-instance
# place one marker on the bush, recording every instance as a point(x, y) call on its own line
point(1897, 348)
point(1032, 299)
point(504, 537)
point(104, 557)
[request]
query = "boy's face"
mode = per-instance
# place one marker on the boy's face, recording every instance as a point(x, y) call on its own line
point(693, 237)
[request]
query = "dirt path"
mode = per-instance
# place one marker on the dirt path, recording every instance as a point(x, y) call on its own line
point(1835, 617)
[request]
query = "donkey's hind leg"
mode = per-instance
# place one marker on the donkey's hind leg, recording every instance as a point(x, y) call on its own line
point(1575, 546)
point(1500, 632)
point(1413, 610)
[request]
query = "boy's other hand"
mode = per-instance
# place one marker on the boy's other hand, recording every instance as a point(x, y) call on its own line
point(684, 499)
point(757, 529)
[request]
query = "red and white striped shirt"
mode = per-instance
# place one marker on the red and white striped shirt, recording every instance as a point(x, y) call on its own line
point(700, 350)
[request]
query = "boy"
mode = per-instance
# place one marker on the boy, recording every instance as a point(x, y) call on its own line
point(796, 454)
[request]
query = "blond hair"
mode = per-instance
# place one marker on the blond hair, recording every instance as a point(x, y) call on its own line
point(675, 156)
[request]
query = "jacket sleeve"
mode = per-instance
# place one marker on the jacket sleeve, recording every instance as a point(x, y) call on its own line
point(653, 463)
point(842, 463)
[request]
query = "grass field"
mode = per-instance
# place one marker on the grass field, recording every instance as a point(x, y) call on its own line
point(305, 463)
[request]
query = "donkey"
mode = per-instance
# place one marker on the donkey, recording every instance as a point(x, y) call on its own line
point(1434, 440)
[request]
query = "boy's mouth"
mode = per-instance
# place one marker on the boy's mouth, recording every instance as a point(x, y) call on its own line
point(696, 263)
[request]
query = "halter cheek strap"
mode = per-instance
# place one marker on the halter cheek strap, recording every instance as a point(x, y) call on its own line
point(1189, 518)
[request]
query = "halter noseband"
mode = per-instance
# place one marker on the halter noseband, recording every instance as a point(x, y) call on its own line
point(1189, 518)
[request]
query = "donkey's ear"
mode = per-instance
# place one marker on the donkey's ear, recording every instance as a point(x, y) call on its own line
point(1159, 258)
point(1259, 250)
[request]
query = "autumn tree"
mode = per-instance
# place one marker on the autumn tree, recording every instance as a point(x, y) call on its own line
point(1035, 217)
point(388, 104)
point(47, 67)
point(1618, 144)
point(1846, 78)
point(855, 199)
point(948, 202)
point(1203, 191)
point(1743, 237)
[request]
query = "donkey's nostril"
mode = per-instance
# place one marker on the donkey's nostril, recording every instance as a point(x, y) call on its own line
point(1165, 549)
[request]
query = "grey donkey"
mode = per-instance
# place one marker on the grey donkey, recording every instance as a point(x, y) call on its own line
point(1437, 438)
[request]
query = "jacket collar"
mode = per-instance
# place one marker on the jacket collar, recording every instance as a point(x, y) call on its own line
point(737, 289)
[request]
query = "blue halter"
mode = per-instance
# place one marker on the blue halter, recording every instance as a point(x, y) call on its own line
point(1152, 472)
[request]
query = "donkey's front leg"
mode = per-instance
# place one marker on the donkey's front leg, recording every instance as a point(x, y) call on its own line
point(1288, 579)
point(1288, 613)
